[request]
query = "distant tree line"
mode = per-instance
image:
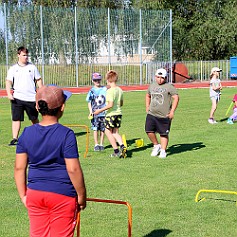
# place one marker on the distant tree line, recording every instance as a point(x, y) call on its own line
point(202, 29)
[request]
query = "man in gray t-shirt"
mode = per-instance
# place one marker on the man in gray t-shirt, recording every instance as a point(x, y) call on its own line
point(161, 102)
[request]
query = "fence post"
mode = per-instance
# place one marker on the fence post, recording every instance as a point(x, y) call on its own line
point(109, 56)
point(140, 44)
point(201, 69)
point(76, 46)
point(42, 41)
point(171, 63)
point(227, 69)
point(6, 33)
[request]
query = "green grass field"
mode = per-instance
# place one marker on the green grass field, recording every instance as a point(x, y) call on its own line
point(160, 191)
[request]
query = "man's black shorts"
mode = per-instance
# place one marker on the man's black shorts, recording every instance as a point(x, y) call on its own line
point(18, 108)
point(157, 125)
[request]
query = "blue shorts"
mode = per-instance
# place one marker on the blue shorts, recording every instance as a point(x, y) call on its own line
point(98, 124)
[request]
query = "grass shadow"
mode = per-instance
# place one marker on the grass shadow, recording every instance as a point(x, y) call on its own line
point(158, 233)
point(137, 149)
point(220, 199)
point(132, 141)
point(174, 149)
point(222, 120)
point(77, 134)
point(108, 146)
point(130, 150)
point(179, 148)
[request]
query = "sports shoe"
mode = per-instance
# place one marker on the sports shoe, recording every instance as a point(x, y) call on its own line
point(101, 148)
point(156, 150)
point(116, 154)
point(212, 121)
point(97, 148)
point(162, 154)
point(13, 142)
point(123, 152)
point(230, 121)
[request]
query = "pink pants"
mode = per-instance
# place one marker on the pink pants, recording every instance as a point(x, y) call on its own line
point(51, 214)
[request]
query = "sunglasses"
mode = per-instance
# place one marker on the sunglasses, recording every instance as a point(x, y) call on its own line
point(97, 80)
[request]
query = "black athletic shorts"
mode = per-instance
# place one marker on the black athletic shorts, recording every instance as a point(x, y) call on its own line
point(113, 121)
point(157, 125)
point(18, 108)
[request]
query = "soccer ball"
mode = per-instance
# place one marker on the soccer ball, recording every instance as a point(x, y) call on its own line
point(100, 100)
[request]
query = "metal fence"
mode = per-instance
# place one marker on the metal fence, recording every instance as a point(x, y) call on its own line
point(200, 70)
point(69, 44)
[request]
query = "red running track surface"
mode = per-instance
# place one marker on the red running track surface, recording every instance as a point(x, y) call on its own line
point(187, 85)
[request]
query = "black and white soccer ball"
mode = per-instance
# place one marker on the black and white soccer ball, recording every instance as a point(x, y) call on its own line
point(100, 100)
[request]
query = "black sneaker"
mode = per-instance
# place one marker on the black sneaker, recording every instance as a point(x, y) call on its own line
point(13, 142)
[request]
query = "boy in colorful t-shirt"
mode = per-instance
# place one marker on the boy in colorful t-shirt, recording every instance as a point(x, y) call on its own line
point(96, 100)
point(114, 102)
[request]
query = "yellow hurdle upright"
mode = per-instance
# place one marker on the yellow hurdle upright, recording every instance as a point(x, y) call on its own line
point(229, 108)
point(124, 140)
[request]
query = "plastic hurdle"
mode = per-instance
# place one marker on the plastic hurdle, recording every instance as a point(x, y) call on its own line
point(87, 135)
point(212, 191)
point(113, 202)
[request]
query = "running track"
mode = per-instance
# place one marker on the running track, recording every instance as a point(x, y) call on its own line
point(187, 85)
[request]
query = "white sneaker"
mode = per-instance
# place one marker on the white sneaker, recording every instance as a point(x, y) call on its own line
point(212, 121)
point(155, 150)
point(162, 154)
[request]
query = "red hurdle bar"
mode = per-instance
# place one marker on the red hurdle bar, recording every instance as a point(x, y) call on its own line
point(109, 201)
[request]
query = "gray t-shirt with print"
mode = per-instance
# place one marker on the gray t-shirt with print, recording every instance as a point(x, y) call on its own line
point(161, 99)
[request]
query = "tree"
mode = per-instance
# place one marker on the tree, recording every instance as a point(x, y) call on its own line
point(202, 30)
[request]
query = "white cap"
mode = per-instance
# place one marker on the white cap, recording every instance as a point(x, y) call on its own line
point(161, 72)
point(216, 69)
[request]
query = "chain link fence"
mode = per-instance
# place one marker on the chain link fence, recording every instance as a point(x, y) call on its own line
point(69, 44)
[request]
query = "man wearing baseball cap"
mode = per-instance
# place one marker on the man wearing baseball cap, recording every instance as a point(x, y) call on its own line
point(55, 187)
point(161, 102)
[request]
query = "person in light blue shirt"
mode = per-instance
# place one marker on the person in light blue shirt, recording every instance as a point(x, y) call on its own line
point(96, 99)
